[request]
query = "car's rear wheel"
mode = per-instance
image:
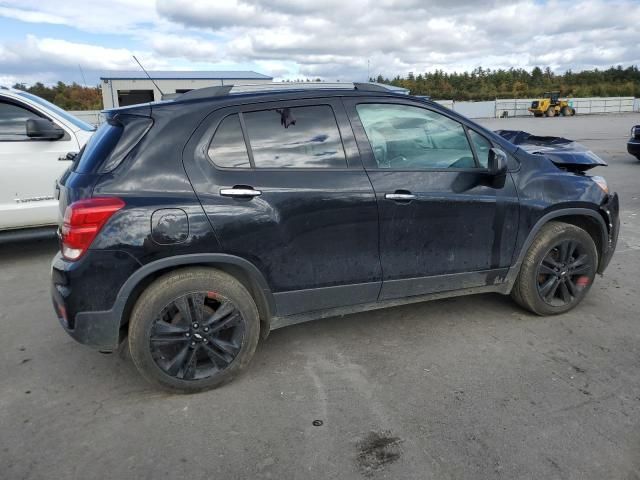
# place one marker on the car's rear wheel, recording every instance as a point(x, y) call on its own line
point(193, 329)
point(557, 271)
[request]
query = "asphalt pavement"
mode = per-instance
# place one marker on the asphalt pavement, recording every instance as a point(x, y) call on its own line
point(464, 388)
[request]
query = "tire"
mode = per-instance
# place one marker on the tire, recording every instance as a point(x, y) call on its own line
point(186, 303)
point(568, 282)
point(566, 111)
point(537, 115)
point(551, 112)
point(573, 111)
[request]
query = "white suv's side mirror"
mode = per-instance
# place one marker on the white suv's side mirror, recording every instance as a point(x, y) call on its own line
point(43, 129)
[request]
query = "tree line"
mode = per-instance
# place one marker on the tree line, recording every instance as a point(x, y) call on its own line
point(68, 97)
point(487, 84)
point(480, 84)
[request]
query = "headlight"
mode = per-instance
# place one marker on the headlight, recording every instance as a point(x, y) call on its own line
point(602, 183)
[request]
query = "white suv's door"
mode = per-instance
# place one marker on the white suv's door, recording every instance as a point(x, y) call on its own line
point(29, 168)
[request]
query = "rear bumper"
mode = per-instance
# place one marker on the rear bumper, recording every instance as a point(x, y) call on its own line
point(611, 211)
point(633, 147)
point(100, 330)
point(84, 294)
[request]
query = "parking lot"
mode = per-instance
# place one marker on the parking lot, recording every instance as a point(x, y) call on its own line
point(470, 387)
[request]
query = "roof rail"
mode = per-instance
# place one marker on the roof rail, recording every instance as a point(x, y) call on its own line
point(206, 92)
point(224, 90)
point(371, 87)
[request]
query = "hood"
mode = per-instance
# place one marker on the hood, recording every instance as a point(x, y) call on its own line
point(563, 152)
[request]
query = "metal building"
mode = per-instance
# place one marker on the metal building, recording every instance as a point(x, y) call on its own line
point(122, 88)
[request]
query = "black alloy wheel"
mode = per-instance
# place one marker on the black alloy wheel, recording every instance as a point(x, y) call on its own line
point(193, 329)
point(196, 335)
point(557, 270)
point(563, 273)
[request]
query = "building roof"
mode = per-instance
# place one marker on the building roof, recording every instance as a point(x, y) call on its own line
point(184, 75)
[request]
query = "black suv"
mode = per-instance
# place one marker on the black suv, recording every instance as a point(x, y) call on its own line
point(196, 225)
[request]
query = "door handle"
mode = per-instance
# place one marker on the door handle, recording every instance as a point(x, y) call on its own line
point(400, 196)
point(69, 157)
point(240, 192)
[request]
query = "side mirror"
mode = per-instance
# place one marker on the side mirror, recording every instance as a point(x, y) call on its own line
point(497, 164)
point(43, 129)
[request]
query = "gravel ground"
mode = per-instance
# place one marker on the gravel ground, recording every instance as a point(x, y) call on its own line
point(461, 388)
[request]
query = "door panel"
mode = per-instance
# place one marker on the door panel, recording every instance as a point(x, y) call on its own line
point(29, 170)
point(444, 228)
point(454, 224)
point(308, 229)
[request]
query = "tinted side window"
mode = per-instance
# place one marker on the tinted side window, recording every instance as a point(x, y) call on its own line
point(227, 148)
point(13, 122)
point(410, 138)
point(298, 137)
point(482, 147)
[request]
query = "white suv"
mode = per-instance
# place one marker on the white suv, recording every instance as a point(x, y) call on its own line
point(38, 141)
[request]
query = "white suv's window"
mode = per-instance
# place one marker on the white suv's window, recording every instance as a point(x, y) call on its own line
point(13, 122)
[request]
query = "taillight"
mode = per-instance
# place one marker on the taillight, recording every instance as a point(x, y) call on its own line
point(82, 222)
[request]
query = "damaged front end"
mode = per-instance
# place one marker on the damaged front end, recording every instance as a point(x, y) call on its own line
point(576, 158)
point(564, 153)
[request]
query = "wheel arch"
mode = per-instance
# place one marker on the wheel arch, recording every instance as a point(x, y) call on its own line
point(243, 270)
point(587, 219)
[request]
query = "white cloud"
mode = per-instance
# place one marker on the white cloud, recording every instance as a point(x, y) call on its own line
point(335, 38)
point(113, 16)
point(332, 39)
point(31, 16)
point(51, 59)
point(180, 46)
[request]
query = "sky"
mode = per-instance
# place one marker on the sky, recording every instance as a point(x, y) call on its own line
point(76, 40)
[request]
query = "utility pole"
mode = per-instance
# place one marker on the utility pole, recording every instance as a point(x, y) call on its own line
point(368, 72)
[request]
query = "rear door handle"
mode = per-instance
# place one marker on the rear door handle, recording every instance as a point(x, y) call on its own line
point(400, 196)
point(240, 192)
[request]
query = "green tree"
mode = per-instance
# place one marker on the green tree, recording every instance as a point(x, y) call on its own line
point(68, 97)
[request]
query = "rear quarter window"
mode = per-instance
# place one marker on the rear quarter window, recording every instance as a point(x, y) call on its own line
point(227, 148)
point(98, 148)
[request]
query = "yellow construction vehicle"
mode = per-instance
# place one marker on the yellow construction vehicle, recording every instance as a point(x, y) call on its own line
point(551, 106)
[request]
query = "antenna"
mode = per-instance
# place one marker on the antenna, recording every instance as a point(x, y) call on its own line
point(147, 73)
point(84, 80)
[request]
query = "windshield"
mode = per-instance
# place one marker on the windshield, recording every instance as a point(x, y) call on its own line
point(62, 113)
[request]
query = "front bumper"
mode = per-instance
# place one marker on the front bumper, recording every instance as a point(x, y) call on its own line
point(633, 147)
point(611, 212)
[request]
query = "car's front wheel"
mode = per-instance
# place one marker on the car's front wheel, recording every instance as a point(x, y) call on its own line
point(193, 329)
point(557, 271)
